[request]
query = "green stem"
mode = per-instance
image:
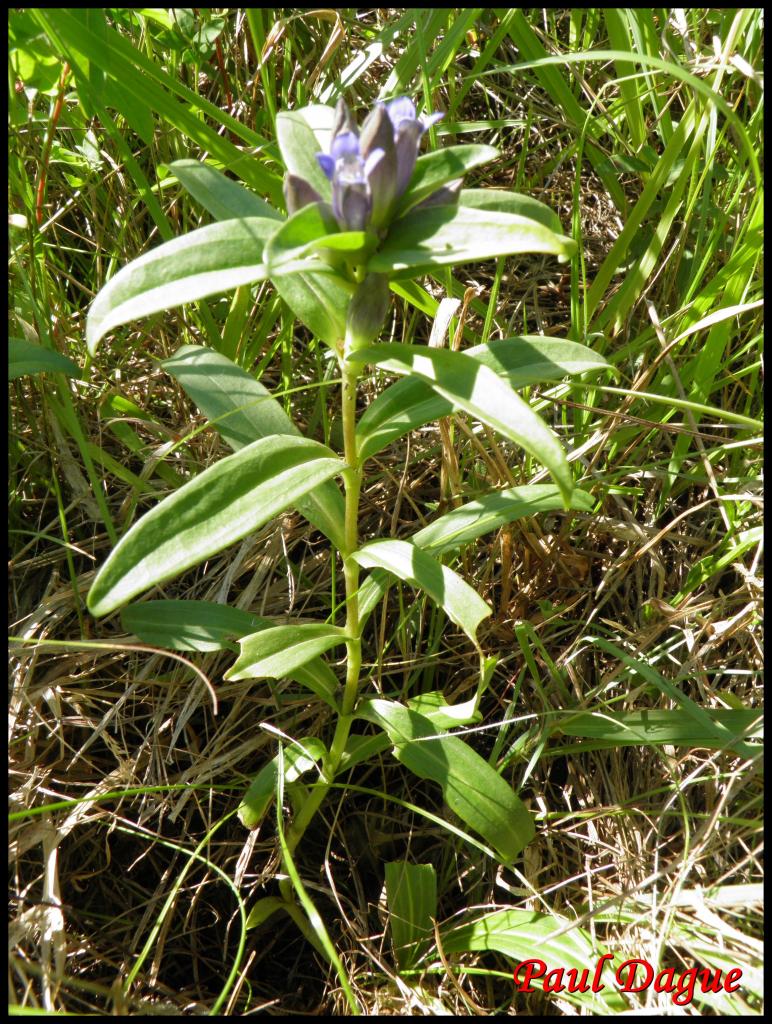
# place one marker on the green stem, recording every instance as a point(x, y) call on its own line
point(352, 481)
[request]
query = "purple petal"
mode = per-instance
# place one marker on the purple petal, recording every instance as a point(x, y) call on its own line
point(355, 207)
point(382, 179)
point(345, 144)
point(376, 155)
point(401, 109)
point(349, 170)
point(408, 141)
point(427, 120)
point(326, 163)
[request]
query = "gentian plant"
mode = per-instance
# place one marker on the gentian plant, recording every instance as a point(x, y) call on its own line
point(366, 216)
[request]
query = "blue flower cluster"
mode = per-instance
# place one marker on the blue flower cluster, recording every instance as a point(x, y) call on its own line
point(369, 170)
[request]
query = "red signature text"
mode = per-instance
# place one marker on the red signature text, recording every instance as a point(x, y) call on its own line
point(631, 976)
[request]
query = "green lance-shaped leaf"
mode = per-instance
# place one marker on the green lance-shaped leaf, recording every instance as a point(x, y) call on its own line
point(314, 291)
point(432, 170)
point(657, 726)
point(222, 197)
point(25, 357)
point(302, 134)
point(297, 233)
point(411, 899)
point(348, 243)
point(299, 758)
point(314, 229)
point(722, 736)
point(220, 506)
point(189, 625)
point(477, 390)
point(432, 705)
point(534, 359)
point(279, 651)
point(239, 407)
point(212, 259)
point(465, 524)
point(503, 201)
point(207, 626)
point(446, 235)
point(242, 410)
point(460, 602)
point(471, 788)
point(319, 300)
point(523, 934)
point(410, 402)
point(460, 526)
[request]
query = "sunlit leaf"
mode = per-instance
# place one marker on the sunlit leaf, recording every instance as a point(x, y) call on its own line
point(276, 652)
point(471, 788)
point(301, 135)
point(319, 301)
point(222, 505)
point(410, 402)
point(511, 202)
point(434, 706)
point(460, 602)
point(447, 235)
point(212, 259)
point(220, 195)
point(207, 626)
point(462, 525)
point(525, 934)
point(475, 389)
point(242, 410)
point(465, 524)
point(291, 241)
point(411, 899)
point(656, 726)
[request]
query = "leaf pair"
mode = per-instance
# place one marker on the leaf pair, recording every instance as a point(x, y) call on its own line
point(423, 238)
point(473, 790)
point(471, 387)
point(241, 408)
point(281, 650)
point(412, 401)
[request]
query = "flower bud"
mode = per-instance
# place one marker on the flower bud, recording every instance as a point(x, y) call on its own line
point(298, 193)
point(342, 121)
point(377, 131)
point(367, 311)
